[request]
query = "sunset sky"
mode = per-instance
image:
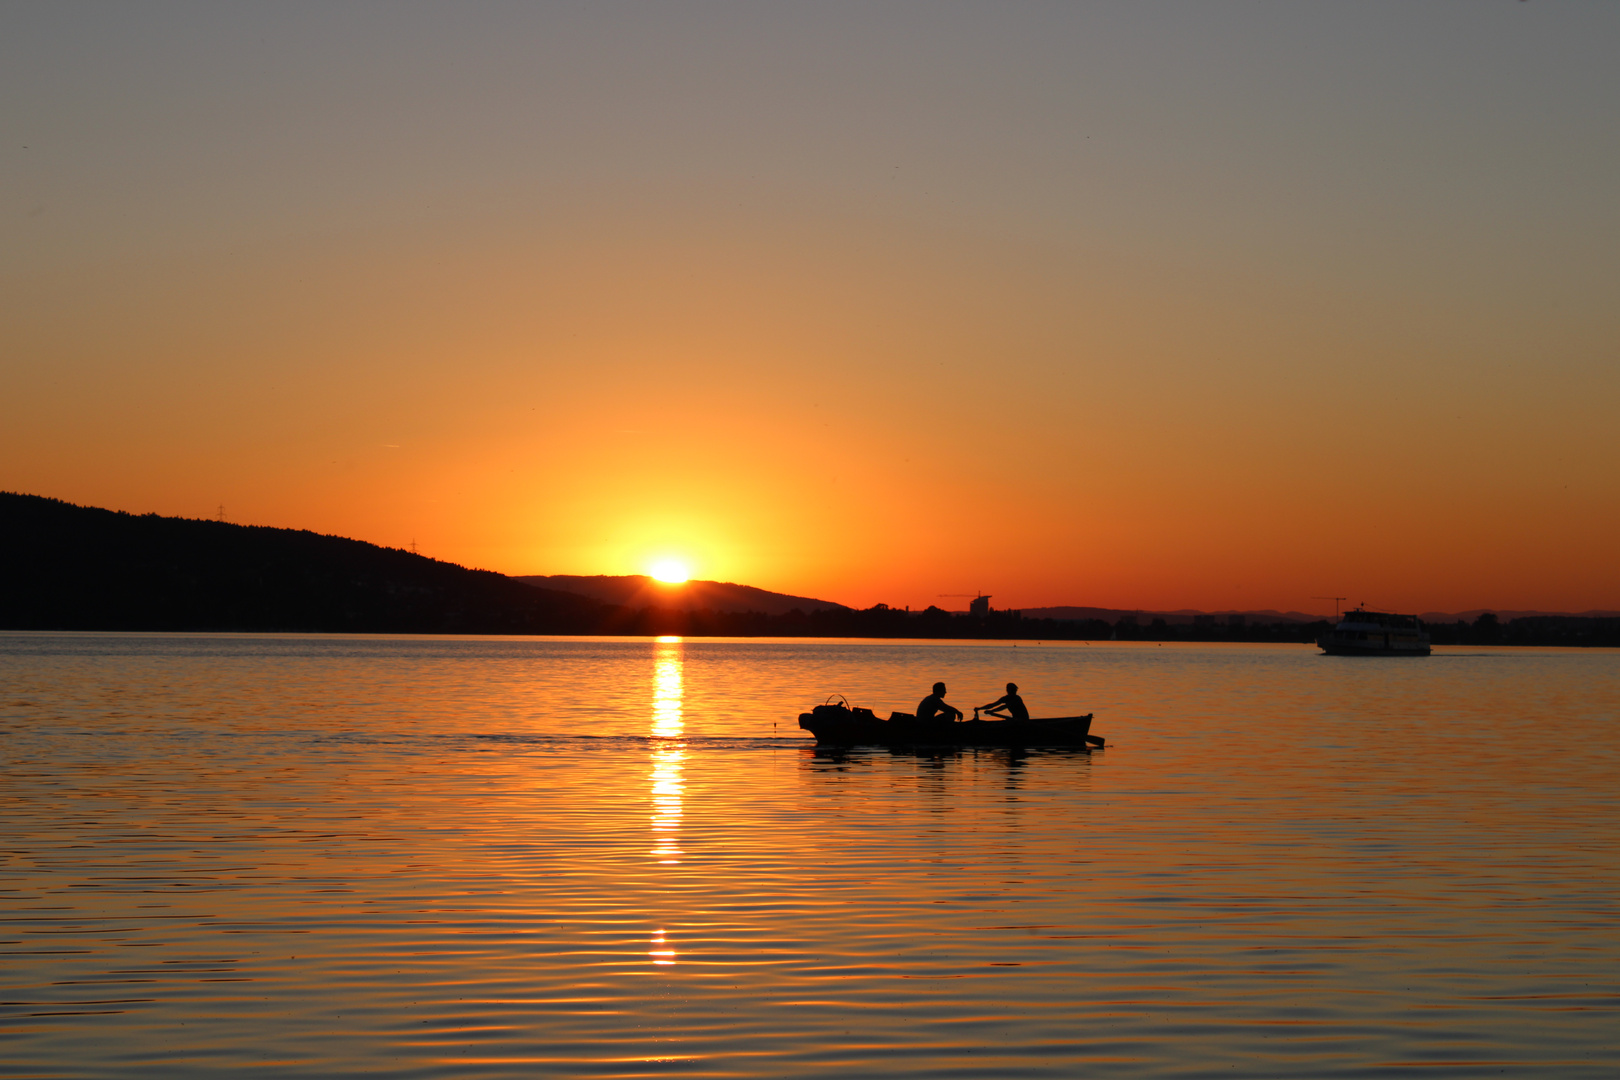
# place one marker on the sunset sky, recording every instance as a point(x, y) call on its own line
point(1158, 305)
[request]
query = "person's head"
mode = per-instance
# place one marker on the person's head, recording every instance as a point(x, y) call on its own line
point(939, 688)
point(1012, 688)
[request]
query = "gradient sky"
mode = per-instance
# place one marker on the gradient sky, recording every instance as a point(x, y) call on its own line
point(1159, 305)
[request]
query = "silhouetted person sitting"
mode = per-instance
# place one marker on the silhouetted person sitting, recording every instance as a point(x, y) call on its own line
point(933, 710)
point(1009, 705)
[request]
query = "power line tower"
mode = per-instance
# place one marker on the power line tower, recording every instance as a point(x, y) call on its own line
point(221, 514)
point(1337, 600)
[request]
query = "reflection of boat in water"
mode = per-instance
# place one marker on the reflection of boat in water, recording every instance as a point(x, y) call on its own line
point(1375, 633)
point(837, 724)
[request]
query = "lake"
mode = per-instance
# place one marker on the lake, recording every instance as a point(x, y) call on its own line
point(290, 855)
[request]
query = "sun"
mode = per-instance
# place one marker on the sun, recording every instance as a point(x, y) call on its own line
point(671, 571)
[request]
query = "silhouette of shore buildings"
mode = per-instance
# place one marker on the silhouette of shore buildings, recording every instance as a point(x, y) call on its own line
point(66, 567)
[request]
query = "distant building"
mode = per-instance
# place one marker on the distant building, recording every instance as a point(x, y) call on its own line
point(979, 605)
point(1236, 622)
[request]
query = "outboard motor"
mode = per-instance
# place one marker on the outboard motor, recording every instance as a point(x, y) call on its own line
point(836, 712)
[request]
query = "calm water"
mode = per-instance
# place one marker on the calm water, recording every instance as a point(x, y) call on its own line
point(407, 857)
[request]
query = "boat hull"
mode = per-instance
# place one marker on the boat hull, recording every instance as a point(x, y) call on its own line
point(1335, 648)
point(857, 729)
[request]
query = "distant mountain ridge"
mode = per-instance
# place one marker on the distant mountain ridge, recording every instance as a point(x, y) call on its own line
point(1508, 616)
point(638, 591)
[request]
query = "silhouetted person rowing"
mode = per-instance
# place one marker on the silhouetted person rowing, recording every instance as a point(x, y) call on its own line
point(933, 710)
point(1009, 705)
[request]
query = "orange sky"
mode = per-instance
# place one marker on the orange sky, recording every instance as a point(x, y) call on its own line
point(1132, 306)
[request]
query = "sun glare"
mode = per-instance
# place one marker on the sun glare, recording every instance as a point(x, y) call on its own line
point(670, 571)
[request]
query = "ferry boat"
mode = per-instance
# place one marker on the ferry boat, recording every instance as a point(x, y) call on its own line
point(1375, 633)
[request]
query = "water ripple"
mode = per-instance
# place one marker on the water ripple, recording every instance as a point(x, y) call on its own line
point(504, 857)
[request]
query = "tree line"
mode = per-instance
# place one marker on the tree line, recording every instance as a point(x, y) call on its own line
point(67, 567)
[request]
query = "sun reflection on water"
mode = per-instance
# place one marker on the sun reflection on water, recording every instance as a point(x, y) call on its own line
point(668, 758)
point(666, 704)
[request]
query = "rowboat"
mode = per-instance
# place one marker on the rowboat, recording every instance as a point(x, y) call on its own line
point(837, 724)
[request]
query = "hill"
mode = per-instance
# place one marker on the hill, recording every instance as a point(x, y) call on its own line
point(67, 567)
point(637, 591)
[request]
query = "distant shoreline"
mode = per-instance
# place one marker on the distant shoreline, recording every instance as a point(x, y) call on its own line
point(67, 567)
